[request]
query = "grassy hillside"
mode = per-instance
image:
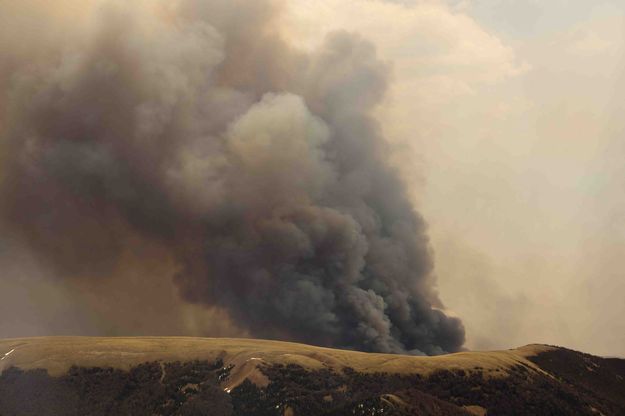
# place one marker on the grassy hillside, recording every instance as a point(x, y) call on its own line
point(205, 376)
point(58, 354)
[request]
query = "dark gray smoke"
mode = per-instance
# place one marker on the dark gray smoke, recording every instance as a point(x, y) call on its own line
point(258, 166)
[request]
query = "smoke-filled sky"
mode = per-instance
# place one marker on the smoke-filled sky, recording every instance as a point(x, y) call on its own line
point(380, 175)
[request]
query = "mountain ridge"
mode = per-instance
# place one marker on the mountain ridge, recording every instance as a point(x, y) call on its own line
point(228, 376)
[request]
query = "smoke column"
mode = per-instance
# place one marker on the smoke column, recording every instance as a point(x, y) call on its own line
point(194, 124)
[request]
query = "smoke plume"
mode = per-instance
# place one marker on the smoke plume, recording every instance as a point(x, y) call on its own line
point(194, 125)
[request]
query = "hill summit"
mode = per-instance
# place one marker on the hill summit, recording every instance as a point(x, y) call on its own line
point(61, 376)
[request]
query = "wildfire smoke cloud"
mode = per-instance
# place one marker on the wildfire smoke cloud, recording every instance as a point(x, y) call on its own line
point(260, 167)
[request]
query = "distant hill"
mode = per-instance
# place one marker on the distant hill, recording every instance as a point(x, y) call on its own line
point(81, 376)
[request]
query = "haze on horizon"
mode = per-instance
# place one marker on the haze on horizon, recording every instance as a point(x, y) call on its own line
point(503, 119)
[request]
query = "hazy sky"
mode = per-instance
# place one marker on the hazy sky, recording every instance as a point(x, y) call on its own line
point(505, 119)
point(508, 121)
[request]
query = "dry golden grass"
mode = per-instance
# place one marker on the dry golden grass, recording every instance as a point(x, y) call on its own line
point(58, 354)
